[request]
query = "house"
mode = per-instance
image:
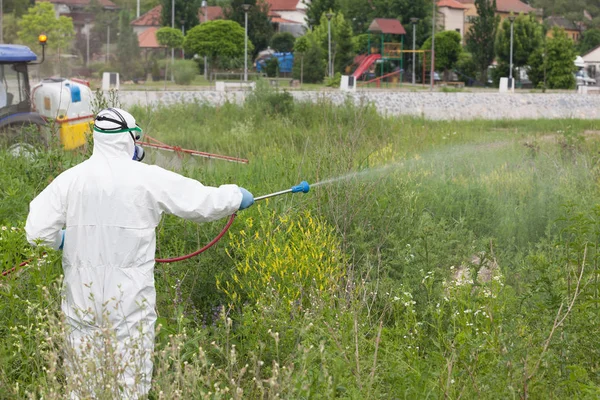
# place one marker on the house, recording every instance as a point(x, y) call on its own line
point(451, 16)
point(504, 8)
point(147, 24)
point(288, 15)
point(592, 63)
point(78, 10)
point(571, 29)
point(149, 20)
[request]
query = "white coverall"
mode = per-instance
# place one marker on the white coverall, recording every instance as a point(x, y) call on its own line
point(111, 206)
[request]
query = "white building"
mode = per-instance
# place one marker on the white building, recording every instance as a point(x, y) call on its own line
point(289, 15)
point(592, 63)
point(451, 16)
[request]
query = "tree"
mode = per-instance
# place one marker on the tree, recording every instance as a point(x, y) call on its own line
point(589, 41)
point(573, 10)
point(185, 10)
point(342, 46)
point(283, 42)
point(315, 64)
point(128, 48)
point(301, 46)
point(447, 50)
point(555, 62)
point(260, 29)
point(170, 37)
point(216, 39)
point(528, 36)
point(316, 8)
point(16, 7)
point(481, 35)
point(42, 19)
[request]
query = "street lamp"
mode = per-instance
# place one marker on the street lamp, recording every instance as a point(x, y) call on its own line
point(182, 21)
point(329, 67)
point(511, 85)
point(108, 38)
point(414, 21)
point(205, 6)
point(246, 8)
point(86, 26)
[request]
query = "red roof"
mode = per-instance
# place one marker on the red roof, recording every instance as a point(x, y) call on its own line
point(212, 12)
point(147, 39)
point(103, 3)
point(282, 5)
point(151, 18)
point(451, 4)
point(388, 26)
point(514, 6)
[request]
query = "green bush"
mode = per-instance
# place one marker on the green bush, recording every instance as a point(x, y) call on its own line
point(272, 68)
point(334, 81)
point(184, 71)
point(266, 100)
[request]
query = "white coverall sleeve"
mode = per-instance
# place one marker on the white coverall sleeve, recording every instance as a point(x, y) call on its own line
point(189, 199)
point(47, 215)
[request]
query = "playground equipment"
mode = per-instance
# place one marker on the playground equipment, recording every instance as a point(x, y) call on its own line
point(382, 51)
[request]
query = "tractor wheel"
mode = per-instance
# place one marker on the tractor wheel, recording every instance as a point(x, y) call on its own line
point(24, 139)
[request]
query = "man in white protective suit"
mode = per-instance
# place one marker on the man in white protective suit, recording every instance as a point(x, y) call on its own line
point(105, 211)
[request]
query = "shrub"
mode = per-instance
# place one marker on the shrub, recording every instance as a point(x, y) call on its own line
point(285, 255)
point(272, 68)
point(334, 81)
point(269, 101)
point(184, 71)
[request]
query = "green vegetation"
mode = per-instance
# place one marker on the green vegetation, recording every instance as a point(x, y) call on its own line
point(283, 42)
point(552, 65)
point(482, 34)
point(447, 50)
point(217, 40)
point(450, 259)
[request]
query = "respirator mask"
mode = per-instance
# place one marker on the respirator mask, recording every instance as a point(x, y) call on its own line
point(114, 120)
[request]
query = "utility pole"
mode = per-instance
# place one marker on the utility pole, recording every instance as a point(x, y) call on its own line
point(433, 18)
point(329, 69)
point(246, 8)
point(414, 21)
point(172, 26)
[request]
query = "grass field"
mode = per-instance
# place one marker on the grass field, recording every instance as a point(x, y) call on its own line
point(435, 260)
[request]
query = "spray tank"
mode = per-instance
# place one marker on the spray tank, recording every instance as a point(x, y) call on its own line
point(69, 103)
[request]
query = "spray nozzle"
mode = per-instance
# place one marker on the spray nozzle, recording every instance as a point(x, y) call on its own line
point(303, 187)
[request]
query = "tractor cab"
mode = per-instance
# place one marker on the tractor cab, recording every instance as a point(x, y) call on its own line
point(15, 102)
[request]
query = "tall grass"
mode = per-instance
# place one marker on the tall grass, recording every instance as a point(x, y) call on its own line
point(450, 259)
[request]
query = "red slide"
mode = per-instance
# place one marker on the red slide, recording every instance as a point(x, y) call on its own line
point(365, 64)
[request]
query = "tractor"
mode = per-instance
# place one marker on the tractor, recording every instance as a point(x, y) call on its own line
point(55, 107)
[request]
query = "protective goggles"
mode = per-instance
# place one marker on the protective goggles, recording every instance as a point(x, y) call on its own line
point(121, 128)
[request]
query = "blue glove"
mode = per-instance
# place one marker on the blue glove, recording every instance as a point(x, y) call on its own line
point(62, 242)
point(247, 199)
